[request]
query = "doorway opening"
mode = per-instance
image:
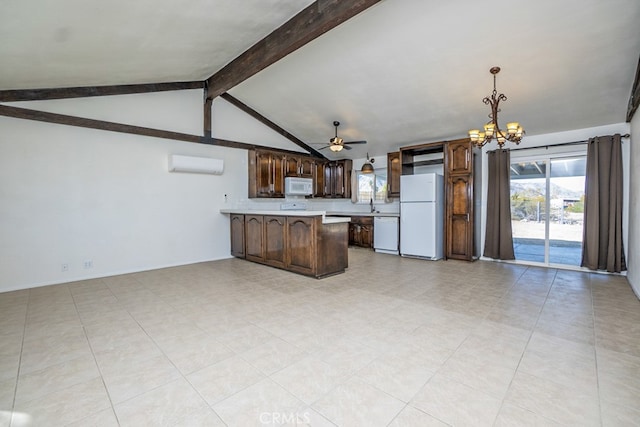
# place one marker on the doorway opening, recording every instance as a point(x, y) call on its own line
point(547, 209)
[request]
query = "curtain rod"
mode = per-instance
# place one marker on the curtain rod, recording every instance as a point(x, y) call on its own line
point(546, 147)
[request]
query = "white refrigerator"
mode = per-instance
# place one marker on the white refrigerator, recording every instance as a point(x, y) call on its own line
point(422, 216)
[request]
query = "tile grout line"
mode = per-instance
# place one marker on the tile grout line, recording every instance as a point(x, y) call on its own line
point(15, 387)
point(95, 360)
point(515, 371)
point(184, 377)
point(456, 349)
point(595, 347)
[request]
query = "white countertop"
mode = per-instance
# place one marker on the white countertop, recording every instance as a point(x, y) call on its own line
point(387, 214)
point(272, 212)
point(325, 218)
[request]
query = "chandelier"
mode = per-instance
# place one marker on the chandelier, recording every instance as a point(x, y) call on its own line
point(492, 131)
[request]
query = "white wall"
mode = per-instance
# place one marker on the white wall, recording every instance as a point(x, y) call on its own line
point(633, 258)
point(558, 138)
point(228, 122)
point(69, 195)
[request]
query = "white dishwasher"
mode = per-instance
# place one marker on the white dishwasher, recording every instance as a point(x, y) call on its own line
point(385, 234)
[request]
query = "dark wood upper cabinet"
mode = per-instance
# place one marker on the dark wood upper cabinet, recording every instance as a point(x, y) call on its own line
point(277, 187)
point(267, 170)
point(318, 178)
point(291, 166)
point(306, 165)
point(263, 175)
point(298, 166)
point(266, 174)
point(459, 155)
point(394, 170)
point(337, 179)
point(337, 174)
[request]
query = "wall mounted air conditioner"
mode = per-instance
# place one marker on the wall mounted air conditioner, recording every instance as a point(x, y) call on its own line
point(191, 164)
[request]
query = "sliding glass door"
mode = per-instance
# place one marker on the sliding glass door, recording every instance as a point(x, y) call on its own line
point(547, 208)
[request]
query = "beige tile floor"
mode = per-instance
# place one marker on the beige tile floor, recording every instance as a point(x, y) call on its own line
point(393, 341)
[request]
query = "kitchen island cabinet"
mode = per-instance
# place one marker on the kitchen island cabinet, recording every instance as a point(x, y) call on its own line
point(274, 244)
point(237, 235)
point(305, 242)
point(253, 237)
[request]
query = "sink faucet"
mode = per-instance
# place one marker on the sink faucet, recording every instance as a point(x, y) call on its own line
point(373, 208)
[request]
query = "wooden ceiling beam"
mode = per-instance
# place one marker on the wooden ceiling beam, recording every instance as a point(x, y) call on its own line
point(634, 98)
point(262, 119)
point(315, 20)
point(88, 91)
point(63, 119)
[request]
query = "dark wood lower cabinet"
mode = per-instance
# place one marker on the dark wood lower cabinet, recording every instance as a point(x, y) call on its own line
point(302, 244)
point(274, 240)
point(254, 237)
point(361, 231)
point(237, 235)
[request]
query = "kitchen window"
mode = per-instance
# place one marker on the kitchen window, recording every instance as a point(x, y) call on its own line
point(372, 186)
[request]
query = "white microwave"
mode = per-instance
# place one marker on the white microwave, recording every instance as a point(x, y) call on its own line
point(298, 186)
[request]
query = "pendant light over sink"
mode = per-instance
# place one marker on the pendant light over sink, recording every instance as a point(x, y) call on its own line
point(368, 165)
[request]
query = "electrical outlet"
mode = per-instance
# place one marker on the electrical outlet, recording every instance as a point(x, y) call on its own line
point(88, 264)
point(64, 267)
point(226, 198)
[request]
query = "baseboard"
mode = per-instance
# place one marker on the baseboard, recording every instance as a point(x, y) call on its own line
point(108, 274)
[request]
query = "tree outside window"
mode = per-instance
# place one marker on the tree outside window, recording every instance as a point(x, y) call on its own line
point(372, 186)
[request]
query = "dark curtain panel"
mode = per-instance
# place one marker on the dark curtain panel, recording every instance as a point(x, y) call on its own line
point(602, 231)
point(498, 243)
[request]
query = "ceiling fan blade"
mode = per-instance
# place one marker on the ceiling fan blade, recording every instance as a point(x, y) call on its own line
point(322, 148)
point(346, 147)
point(355, 142)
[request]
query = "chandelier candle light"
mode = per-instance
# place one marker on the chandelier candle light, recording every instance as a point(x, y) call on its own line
point(492, 131)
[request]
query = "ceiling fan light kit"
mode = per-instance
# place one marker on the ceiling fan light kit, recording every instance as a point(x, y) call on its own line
point(338, 144)
point(492, 130)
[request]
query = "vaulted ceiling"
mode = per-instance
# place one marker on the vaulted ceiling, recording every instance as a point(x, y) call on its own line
point(400, 72)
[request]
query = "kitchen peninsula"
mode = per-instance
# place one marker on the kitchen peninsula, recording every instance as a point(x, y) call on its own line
point(305, 242)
